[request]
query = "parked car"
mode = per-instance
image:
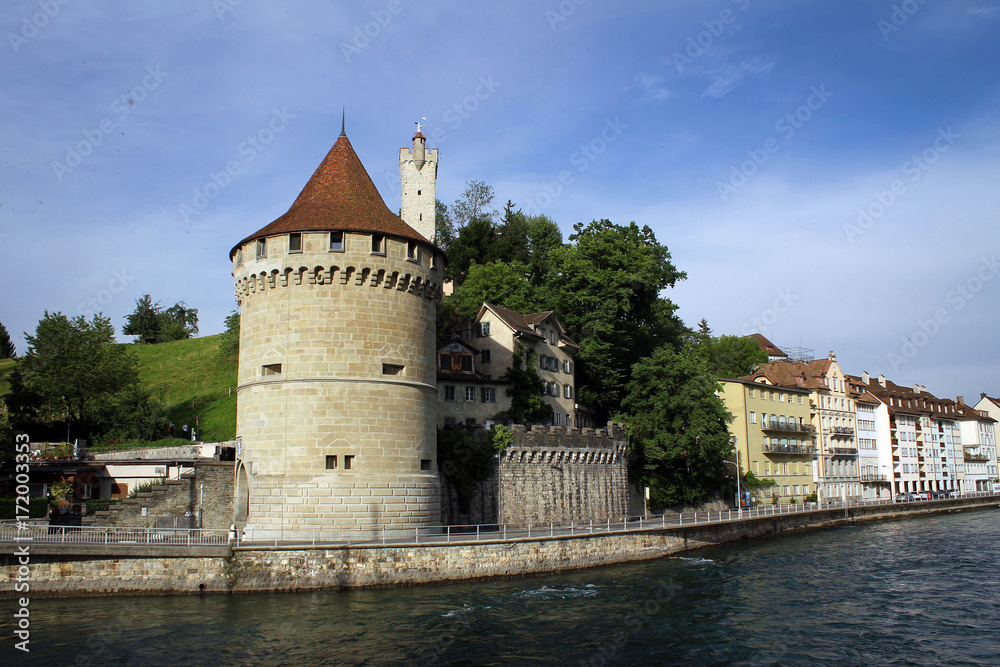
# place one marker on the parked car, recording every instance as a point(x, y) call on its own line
point(922, 495)
point(905, 497)
point(942, 493)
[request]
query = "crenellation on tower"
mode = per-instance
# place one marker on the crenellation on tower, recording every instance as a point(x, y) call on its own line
point(336, 397)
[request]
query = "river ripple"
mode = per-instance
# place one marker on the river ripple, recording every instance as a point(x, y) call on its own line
point(915, 591)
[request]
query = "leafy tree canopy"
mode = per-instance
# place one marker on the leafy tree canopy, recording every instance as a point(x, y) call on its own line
point(474, 204)
point(74, 374)
point(679, 427)
point(152, 324)
point(229, 341)
point(444, 228)
point(606, 286)
point(499, 283)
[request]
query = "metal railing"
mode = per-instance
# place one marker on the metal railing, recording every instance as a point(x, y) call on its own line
point(427, 535)
point(424, 535)
point(112, 535)
point(788, 449)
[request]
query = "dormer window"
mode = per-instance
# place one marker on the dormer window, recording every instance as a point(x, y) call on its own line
point(294, 242)
point(378, 244)
point(261, 248)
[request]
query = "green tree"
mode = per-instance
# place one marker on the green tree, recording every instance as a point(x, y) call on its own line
point(526, 390)
point(444, 228)
point(544, 236)
point(474, 204)
point(732, 356)
point(499, 283)
point(229, 341)
point(151, 324)
point(476, 243)
point(512, 241)
point(74, 373)
point(606, 286)
point(7, 350)
point(679, 427)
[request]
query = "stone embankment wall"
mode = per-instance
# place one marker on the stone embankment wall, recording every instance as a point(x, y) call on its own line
point(300, 569)
point(193, 451)
point(209, 490)
point(550, 474)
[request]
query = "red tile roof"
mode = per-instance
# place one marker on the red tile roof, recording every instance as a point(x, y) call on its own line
point(769, 347)
point(799, 374)
point(340, 196)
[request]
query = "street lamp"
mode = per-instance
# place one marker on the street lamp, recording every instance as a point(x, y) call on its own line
point(739, 504)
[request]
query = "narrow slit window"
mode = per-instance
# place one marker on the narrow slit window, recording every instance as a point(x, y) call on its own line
point(391, 369)
point(348, 462)
point(270, 369)
point(261, 248)
point(331, 462)
point(378, 244)
point(294, 242)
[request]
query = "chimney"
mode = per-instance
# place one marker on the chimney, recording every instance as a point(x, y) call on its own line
point(960, 400)
point(881, 380)
point(916, 388)
point(864, 377)
point(982, 395)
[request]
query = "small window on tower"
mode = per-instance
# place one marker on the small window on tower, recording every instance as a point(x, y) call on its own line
point(270, 369)
point(425, 464)
point(378, 244)
point(391, 369)
point(331, 462)
point(295, 242)
point(418, 193)
point(261, 248)
point(349, 462)
point(336, 241)
point(412, 252)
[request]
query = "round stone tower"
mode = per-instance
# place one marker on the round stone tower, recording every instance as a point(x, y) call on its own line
point(337, 390)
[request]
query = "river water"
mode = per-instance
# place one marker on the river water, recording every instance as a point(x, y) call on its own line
point(915, 591)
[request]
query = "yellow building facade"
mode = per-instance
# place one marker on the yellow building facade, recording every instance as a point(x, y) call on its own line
point(774, 437)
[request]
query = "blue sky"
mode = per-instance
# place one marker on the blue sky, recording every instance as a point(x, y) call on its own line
point(825, 173)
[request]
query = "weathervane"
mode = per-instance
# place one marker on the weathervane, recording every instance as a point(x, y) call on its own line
point(423, 118)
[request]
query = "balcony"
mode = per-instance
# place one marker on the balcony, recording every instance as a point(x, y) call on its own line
point(873, 477)
point(842, 451)
point(792, 427)
point(842, 430)
point(976, 458)
point(788, 449)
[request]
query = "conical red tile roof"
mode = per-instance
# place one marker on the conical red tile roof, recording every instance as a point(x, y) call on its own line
point(340, 196)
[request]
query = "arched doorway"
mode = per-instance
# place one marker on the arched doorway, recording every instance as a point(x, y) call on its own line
point(241, 499)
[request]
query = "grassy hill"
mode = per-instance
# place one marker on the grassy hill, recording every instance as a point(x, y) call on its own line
point(187, 376)
point(191, 381)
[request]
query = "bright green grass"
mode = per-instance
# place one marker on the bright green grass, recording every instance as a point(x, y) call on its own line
point(189, 378)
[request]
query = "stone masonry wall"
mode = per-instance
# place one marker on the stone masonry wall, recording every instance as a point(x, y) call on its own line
point(178, 498)
point(550, 473)
point(304, 569)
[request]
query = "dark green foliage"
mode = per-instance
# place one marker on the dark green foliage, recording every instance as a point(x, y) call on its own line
point(525, 391)
point(476, 243)
point(465, 459)
point(36, 508)
point(152, 324)
point(498, 283)
point(229, 341)
point(75, 381)
point(7, 350)
point(444, 228)
point(606, 287)
point(679, 428)
point(725, 356)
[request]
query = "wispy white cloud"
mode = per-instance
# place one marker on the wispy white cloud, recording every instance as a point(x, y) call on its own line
point(727, 76)
point(987, 12)
point(652, 87)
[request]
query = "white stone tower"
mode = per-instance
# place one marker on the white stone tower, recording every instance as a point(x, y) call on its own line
point(418, 175)
point(337, 391)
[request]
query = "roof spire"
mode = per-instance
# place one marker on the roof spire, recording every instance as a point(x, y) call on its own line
point(343, 117)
